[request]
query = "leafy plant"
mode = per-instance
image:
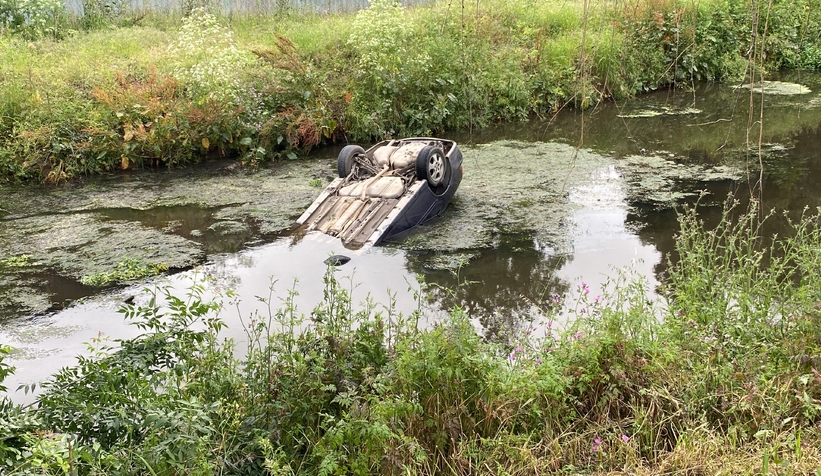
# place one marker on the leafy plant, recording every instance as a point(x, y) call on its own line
point(33, 18)
point(209, 63)
point(5, 369)
point(127, 270)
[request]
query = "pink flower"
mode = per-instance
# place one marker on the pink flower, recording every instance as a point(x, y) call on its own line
point(625, 438)
point(538, 360)
point(577, 335)
point(596, 299)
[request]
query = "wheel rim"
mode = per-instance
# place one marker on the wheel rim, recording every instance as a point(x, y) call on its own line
point(436, 168)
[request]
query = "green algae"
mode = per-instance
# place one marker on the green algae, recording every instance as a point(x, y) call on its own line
point(15, 261)
point(660, 181)
point(176, 220)
point(777, 88)
point(170, 220)
point(515, 188)
point(36, 333)
point(509, 188)
point(448, 261)
point(662, 111)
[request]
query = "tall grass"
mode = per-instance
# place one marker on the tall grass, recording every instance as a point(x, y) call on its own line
point(725, 378)
point(309, 79)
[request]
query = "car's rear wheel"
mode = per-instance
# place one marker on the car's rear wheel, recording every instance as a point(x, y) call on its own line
point(344, 162)
point(433, 166)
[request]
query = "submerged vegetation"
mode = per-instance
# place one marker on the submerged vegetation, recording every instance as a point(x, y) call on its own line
point(722, 379)
point(117, 89)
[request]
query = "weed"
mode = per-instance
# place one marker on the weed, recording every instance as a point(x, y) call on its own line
point(262, 88)
point(31, 18)
point(127, 270)
point(5, 369)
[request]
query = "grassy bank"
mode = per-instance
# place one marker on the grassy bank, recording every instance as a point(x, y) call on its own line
point(724, 379)
point(118, 90)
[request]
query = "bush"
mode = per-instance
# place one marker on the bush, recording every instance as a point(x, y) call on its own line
point(33, 18)
point(727, 370)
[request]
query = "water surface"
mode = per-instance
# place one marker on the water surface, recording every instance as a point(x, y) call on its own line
point(542, 208)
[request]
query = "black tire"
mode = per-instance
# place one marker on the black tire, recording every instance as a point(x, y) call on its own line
point(345, 160)
point(432, 165)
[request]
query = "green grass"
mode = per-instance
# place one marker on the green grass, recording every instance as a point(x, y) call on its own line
point(358, 77)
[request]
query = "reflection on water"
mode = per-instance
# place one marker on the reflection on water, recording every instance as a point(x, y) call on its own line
point(515, 269)
point(503, 287)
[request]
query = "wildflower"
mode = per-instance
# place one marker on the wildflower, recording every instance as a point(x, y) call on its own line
point(549, 324)
point(577, 335)
point(538, 360)
point(596, 444)
point(556, 299)
point(596, 299)
point(625, 438)
point(518, 348)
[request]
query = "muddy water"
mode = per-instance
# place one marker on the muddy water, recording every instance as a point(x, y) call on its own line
point(535, 217)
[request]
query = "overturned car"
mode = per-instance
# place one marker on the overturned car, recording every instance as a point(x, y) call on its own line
point(387, 190)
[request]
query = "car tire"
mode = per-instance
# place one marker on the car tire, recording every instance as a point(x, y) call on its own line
point(432, 165)
point(344, 162)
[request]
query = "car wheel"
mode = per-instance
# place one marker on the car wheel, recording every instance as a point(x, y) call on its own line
point(344, 162)
point(433, 166)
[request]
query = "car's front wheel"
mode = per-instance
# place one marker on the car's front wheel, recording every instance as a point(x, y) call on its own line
point(433, 166)
point(344, 162)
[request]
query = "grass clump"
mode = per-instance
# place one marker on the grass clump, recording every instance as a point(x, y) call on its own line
point(723, 378)
point(129, 89)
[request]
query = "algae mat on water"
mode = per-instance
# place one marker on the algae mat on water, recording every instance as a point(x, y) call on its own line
point(169, 220)
point(176, 220)
point(509, 188)
point(521, 188)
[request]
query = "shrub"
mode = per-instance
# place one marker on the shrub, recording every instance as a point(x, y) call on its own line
point(738, 298)
point(33, 18)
